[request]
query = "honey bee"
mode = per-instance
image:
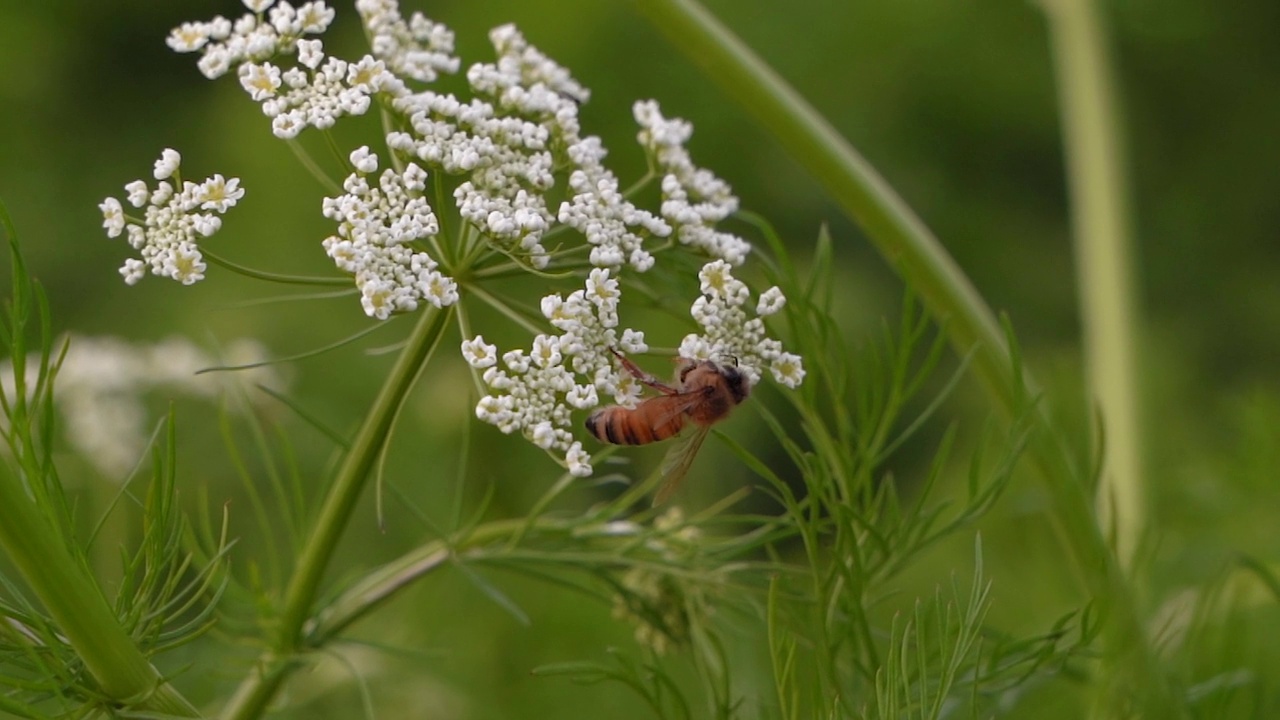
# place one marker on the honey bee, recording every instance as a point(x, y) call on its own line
point(708, 392)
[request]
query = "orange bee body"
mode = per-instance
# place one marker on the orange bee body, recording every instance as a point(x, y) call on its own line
point(708, 392)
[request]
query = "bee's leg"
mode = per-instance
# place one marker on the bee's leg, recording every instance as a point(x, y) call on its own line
point(644, 377)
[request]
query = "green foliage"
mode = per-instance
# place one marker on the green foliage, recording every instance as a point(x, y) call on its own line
point(831, 591)
point(64, 647)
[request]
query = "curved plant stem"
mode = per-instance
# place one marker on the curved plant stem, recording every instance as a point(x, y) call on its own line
point(896, 231)
point(256, 690)
point(274, 277)
point(313, 167)
point(1104, 270)
point(903, 239)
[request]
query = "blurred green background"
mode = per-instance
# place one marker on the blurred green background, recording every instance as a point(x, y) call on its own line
point(953, 101)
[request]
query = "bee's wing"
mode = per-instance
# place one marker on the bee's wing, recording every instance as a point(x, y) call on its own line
point(667, 407)
point(676, 464)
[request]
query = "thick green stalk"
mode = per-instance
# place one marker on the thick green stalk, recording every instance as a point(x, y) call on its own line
point(255, 692)
point(1103, 265)
point(898, 233)
point(37, 548)
point(916, 254)
point(77, 605)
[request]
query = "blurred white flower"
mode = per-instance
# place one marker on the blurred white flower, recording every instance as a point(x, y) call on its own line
point(771, 301)
point(112, 217)
point(168, 164)
point(103, 383)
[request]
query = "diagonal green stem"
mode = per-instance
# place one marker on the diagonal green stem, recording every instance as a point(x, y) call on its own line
point(381, 584)
point(256, 691)
point(75, 602)
point(898, 233)
point(917, 255)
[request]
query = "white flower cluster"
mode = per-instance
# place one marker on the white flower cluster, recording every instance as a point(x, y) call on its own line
point(318, 93)
point(224, 44)
point(511, 141)
point(522, 126)
point(509, 145)
point(174, 220)
point(728, 334)
point(614, 227)
point(501, 140)
point(693, 198)
point(319, 89)
point(375, 228)
point(538, 391)
point(534, 388)
point(419, 49)
point(102, 383)
point(588, 321)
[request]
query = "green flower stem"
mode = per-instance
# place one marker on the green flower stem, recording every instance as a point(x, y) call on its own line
point(255, 692)
point(919, 257)
point(1104, 276)
point(382, 583)
point(247, 271)
point(313, 167)
point(77, 605)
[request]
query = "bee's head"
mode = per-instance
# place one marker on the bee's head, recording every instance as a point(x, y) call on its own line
point(735, 380)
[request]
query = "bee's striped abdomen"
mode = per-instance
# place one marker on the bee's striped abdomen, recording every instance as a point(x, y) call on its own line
point(624, 426)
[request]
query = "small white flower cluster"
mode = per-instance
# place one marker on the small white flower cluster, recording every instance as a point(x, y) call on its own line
point(102, 382)
point(532, 396)
point(318, 93)
point(614, 227)
point(522, 126)
point(538, 398)
point(419, 49)
point(534, 388)
point(224, 44)
point(588, 321)
point(173, 222)
point(527, 82)
point(319, 89)
point(729, 334)
point(693, 198)
point(501, 140)
point(375, 228)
